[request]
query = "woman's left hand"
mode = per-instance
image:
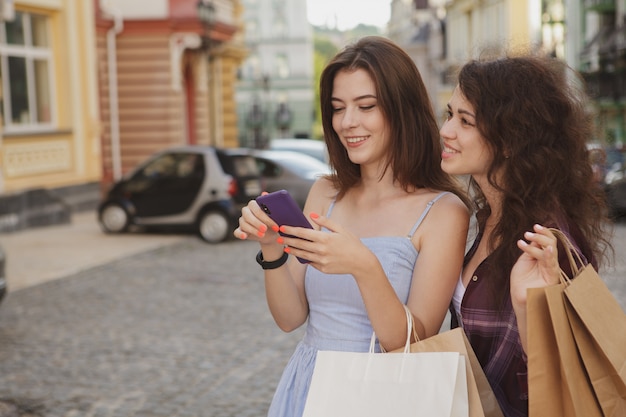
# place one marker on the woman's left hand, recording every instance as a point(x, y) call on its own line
point(337, 252)
point(538, 266)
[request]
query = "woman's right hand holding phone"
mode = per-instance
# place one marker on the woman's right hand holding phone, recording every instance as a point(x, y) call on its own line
point(254, 224)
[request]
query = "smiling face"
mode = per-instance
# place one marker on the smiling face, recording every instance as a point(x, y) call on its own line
point(357, 117)
point(465, 151)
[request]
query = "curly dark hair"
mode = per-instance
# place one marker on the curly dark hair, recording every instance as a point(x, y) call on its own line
point(415, 151)
point(534, 116)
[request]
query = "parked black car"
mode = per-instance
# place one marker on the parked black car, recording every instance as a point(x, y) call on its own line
point(197, 187)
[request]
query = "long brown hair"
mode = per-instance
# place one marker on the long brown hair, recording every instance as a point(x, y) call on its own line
point(415, 151)
point(533, 114)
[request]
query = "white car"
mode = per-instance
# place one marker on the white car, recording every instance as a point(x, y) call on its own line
point(315, 148)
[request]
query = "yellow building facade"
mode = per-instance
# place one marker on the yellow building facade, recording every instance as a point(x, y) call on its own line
point(50, 135)
point(90, 88)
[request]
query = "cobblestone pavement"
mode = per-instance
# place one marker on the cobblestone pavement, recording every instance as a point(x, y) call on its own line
point(182, 330)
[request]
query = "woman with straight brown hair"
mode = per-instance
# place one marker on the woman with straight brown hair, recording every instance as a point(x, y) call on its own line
point(390, 226)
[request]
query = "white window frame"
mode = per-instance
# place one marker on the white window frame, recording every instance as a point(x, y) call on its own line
point(30, 53)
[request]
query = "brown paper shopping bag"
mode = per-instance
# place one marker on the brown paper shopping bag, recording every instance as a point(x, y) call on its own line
point(576, 340)
point(608, 385)
point(576, 387)
point(545, 397)
point(598, 324)
point(482, 401)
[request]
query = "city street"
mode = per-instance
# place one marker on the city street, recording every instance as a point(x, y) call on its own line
point(180, 330)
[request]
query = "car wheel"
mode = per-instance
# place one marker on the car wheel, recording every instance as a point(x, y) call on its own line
point(114, 219)
point(213, 226)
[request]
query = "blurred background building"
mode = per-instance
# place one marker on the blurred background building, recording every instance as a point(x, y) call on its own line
point(167, 72)
point(92, 87)
point(89, 88)
point(589, 35)
point(50, 134)
point(275, 93)
point(603, 64)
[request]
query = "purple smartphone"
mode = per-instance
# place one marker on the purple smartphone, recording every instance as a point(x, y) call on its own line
point(284, 210)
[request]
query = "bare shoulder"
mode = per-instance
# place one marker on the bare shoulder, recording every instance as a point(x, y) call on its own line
point(447, 213)
point(450, 201)
point(321, 194)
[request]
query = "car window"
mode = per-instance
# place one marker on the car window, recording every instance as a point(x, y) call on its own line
point(239, 165)
point(245, 166)
point(163, 166)
point(188, 165)
point(267, 168)
point(172, 166)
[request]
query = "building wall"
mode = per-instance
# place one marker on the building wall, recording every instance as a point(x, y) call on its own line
point(65, 151)
point(279, 69)
point(495, 24)
point(175, 80)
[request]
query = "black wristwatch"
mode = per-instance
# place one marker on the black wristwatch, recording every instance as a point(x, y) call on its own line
point(271, 264)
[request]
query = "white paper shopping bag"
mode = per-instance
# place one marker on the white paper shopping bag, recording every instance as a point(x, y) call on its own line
point(368, 384)
point(429, 384)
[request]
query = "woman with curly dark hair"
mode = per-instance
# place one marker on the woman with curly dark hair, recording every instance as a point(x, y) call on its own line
point(518, 127)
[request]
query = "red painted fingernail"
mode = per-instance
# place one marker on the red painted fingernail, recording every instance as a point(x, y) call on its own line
point(314, 215)
point(260, 233)
point(282, 229)
point(280, 240)
point(275, 228)
point(287, 250)
point(243, 236)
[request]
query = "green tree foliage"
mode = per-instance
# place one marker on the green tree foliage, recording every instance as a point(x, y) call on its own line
point(324, 50)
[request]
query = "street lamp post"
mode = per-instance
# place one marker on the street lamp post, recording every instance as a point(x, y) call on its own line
point(283, 118)
point(255, 122)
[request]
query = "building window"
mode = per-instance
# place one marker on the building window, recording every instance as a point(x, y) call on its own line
point(26, 68)
point(252, 31)
point(282, 66)
point(252, 68)
point(279, 24)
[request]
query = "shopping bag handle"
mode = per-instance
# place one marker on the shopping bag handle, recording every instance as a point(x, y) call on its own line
point(409, 326)
point(571, 253)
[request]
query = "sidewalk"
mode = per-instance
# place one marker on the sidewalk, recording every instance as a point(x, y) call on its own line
point(41, 254)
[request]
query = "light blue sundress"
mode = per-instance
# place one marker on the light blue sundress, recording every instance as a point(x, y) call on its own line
point(337, 316)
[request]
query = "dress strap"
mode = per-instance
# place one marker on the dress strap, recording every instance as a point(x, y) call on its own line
point(330, 208)
point(425, 212)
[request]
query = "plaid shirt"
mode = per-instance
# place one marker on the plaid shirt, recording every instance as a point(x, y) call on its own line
point(495, 338)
